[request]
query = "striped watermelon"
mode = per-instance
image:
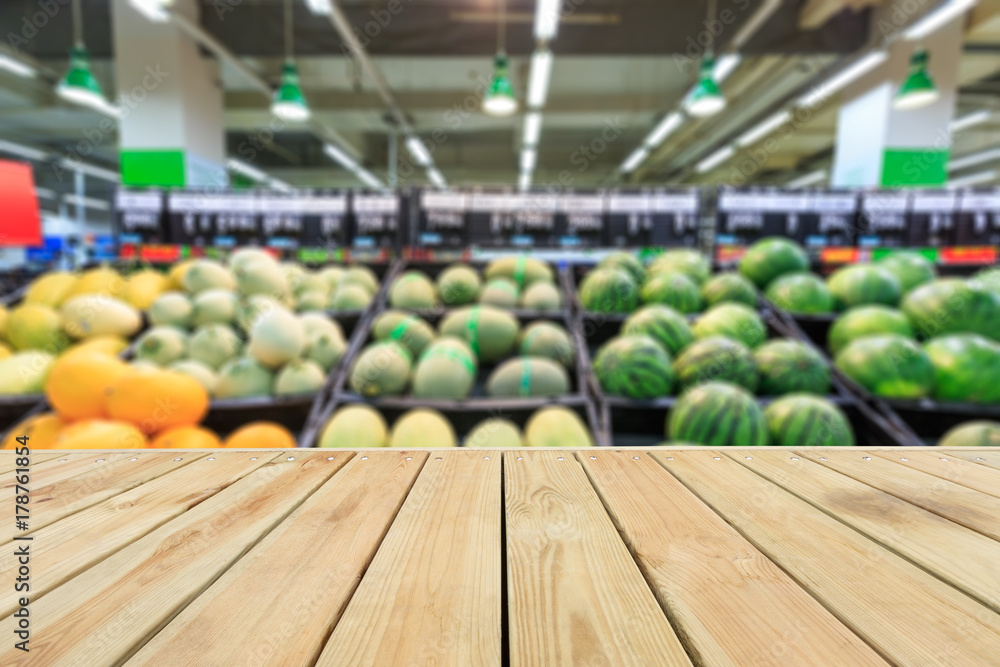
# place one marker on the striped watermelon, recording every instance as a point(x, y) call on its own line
point(972, 434)
point(717, 414)
point(910, 268)
point(789, 366)
point(729, 287)
point(862, 284)
point(682, 260)
point(772, 257)
point(804, 293)
point(804, 420)
point(732, 320)
point(988, 279)
point(966, 368)
point(627, 262)
point(609, 291)
point(866, 321)
point(890, 366)
point(662, 323)
point(634, 366)
point(716, 360)
point(952, 305)
point(672, 289)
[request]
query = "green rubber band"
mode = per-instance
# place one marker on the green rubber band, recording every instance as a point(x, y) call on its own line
point(401, 328)
point(525, 378)
point(473, 327)
point(519, 266)
point(451, 354)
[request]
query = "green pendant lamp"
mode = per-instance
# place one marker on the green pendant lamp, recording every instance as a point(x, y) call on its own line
point(706, 99)
point(289, 102)
point(80, 86)
point(499, 99)
point(918, 90)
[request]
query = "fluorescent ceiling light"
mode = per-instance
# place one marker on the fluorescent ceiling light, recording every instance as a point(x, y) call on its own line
point(937, 18)
point(247, 170)
point(321, 7)
point(418, 151)
point(15, 66)
point(280, 185)
point(634, 160)
point(842, 78)
point(23, 151)
point(808, 179)
point(665, 127)
point(436, 178)
point(974, 158)
point(45, 193)
point(154, 10)
point(91, 170)
point(547, 19)
point(724, 66)
point(538, 80)
point(763, 128)
point(974, 179)
point(368, 178)
point(970, 119)
point(532, 128)
point(87, 202)
point(529, 157)
point(715, 159)
point(340, 157)
point(524, 181)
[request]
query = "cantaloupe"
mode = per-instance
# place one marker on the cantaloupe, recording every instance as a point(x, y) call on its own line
point(549, 340)
point(100, 434)
point(382, 369)
point(458, 285)
point(243, 256)
point(412, 290)
point(102, 281)
point(541, 296)
point(161, 345)
point(324, 349)
point(78, 383)
point(522, 270)
point(495, 433)
point(243, 377)
point(489, 331)
point(157, 400)
point(500, 292)
point(25, 373)
point(309, 282)
point(298, 378)
point(356, 427)
point(95, 315)
point(41, 431)
point(404, 328)
point(144, 287)
point(171, 309)
point(205, 376)
point(331, 275)
point(524, 377)
point(557, 426)
point(261, 276)
point(362, 276)
point(50, 289)
point(36, 327)
point(446, 369)
point(317, 323)
point(214, 345)
point(350, 297)
point(277, 338)
point(422, 428)
point(311, 301)
point(206, 274)
point(214, 306)
point(260, 435)
point(185, 437)
point(250, 310)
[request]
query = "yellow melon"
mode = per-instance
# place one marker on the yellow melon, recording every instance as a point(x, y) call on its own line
point(100, 434)
point(142, 288)
point(42, 431)
point(4, 314)
point(112, 345)
point(4, 351)
point(102, 281)
point(78, 383)
point(156, 400)
point(51, 289)
point(32, 326)
point(261, 434)
point(176, 275)
point(186, 437)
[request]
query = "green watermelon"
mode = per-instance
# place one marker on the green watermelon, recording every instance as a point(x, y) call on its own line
point(889, 365)
point(717, 414)
point(716, 359)
point(911, 269)
point(804, 420)
point(789, 366)
point(729, 287)
point(966, 368)
point(732, 320)
point(952, 305)
point(609, 291)
point(663, 324)
point(672, 289)
point(627, 262)
point(862, 284)
point(682, 260)
point(866, 321)
point(772, 257)
point(634, 366)
point(988, 279)
point(972, 434)
point(803, 293)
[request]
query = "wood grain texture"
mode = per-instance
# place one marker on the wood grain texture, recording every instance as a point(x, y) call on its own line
point(54, 470)
point(103, 615)
point(963, 557)
point(575, 596)
point(71, 545)
point(952, 468)
point(964, 506)
point(306, 569)
point(432, 595)
point(8, 462)
point(730, 604)
point(908, 615)
point(988, 458)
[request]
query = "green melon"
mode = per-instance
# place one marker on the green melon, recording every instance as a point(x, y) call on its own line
point(952, 305)
point(458, 285)
point(261, 276)
point(198, 371)
point(804, 420)
point(214, 306)
point(866, 321)
point(716, 360)
point(966, 368)
point(248, 312)
point(405, 328)
point(980, 433)
point(911, 269)
point(717, 414)
point(414, 291)
point(320, 323)
point(500, 292)
point(161, 345)
point(298, 378)
point(729, 288)
point(324, 349)
point(802, 293)
point(889, 365)
point(422, 428)
point(446, 369)
point(382, 369)
point(676, 290)
point(522, 270)
point(355, 427)
point(312, 301)
point(634, 366)
point(214, 345)
point(243, 377)
point(25, 373)
point(349, 297)
point(627, 262)
point(293, 273)
point(33, 326)
point(331, 275)
point(495, 433)
point(663, 324)
point(987, 279)
point(863, 284)
point(490, 332)
point(207, 274)
point(310, 282)
point(682, 260)
point(243, 256)
point(542, 296)
point(549, 340)
point(277, 338)
point(361, 276)
point(789, 366)
point(528, 377)
point(609, 291)
point(97, 315)
point(771, 258)
point(171, 309)
point(557, 426)
point(732, 320)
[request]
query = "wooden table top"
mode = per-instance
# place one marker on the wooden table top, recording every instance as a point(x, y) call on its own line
point(740, 556)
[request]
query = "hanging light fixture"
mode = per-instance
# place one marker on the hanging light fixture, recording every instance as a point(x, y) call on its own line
point(289, 102)
point(499, 99)
point(918, 90)
point(80, 86)
point(705, 99)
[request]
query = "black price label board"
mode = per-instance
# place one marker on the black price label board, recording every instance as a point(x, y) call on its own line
point(512, 220)
point(978, 219)
point(580, 220)
point(746, 217)
point(374, 221)
point(829, 219)
point(884, 221)
point(652, 219)
point(443, 220)
point(140, 217)
point(933, 213)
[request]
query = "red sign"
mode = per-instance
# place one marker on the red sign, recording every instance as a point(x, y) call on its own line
point(20, 224)
point(160, 254)
point(838, 255)
point(968, 255)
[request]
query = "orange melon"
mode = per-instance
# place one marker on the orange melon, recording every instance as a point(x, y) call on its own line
point(41, 430)
point(78, 383)
point(100, 434)
point(260, 434)
point(156, 400)
point(186, 437)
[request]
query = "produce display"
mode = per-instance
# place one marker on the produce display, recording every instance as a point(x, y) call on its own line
point(507, 283)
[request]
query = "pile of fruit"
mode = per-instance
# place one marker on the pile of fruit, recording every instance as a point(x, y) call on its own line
point(361, 426)
point(509, 282)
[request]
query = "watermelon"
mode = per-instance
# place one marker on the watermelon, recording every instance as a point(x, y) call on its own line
point(911, 269)
point(966, 368)
point(609, 291)
point(804, 420)
point(672, 289)
point(972, 434)
point(634, 366)
point(772, 257)
point(717, 414)
point(789, 366)
point(717, 359)
point(732, 320)
point(988, 279)
point(682, 260)
point(627, 262)
point(862, 284)
point(663, 324)
point(802, 292)
point(729, 287)
point(952, 305)
point(866, 321)
point(889, 365)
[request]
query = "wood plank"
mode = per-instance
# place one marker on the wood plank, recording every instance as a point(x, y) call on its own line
point(947, 466)
point(730, 604)
point(986, 458)
point(574, 593)
point(8, 458)
point(908, 615)
point(103, 615)
point(65, 466)
point(95, 533)
point(333, 536)
point(432, 595)
point(961, 504)
point(958, 555)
